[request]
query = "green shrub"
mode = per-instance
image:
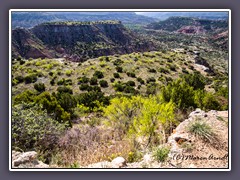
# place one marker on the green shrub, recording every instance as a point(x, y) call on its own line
point(152, 70)
point(31, 78)
point(116, 75)
point(98, 74)
point(163, 70)
point(84, 87)
point(131, 74)
point(103, 83)
point(68, 82)
point(161, 154)
point(25, 96)
point(40, 87)
point(68, 72)
point(185, 71)
point(140, 80)
point(134, 156)
point(83, 79)
point(151, 79)
point(196, 80)
point(61, 82)
point(94, 80)
point(202, 130)
point(130, 89)
point(52, 82)
point(19, 58)
point(172, 67)
point(124, 87)
point(223, 91)
point(64, 89)
point(210, 102)
point(33, 129)
point(20, 79)
point(119, 69)
point(119, 87)
point(130, 83)
point(54, 109)
point(92, 100)
point(140, 117)
point(180, 93)
point(67, 101)
point(50, 73)
point(21, 62)
point(112, 80)
point(94, 88)
point(118, 62)
point(151, 89)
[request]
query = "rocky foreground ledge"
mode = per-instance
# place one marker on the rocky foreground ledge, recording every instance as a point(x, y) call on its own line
point(26, 160)
point(186, 150)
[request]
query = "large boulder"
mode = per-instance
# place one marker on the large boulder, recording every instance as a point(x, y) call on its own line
point(26, 160)
point(119, 162)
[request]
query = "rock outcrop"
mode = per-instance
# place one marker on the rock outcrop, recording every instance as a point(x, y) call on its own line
point(26, 160)
point(188, 151)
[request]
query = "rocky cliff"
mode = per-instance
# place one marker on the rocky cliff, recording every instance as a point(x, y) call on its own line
point(76, 40)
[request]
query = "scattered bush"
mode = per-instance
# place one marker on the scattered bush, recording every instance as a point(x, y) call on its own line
point(124, 87)
point(52, 82)
point(50, 73)
point(21, 62)
point(61, 82)
point(93, 81)
point(68, 82)
point(31, 78)
point(112, 80)
point(20, 79)
point(64, 89)
point(40, 87)
point(98, 74)
point(118, 62)
point(116, 75)
point(84, 87)
point(68, 72)
point(152, 70)
point(103, 83)
point(151, 89)
point(151, 79)
point(163, 70)
point(83, 79)
point(93, 99)
point(185, 71)
point(140, 80)
point(130, 83)
point(94, 88)
point(119, 69)
point(196, 80)
point(131, 74)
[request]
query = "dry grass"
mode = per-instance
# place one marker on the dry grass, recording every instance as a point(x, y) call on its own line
point(88, 145)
